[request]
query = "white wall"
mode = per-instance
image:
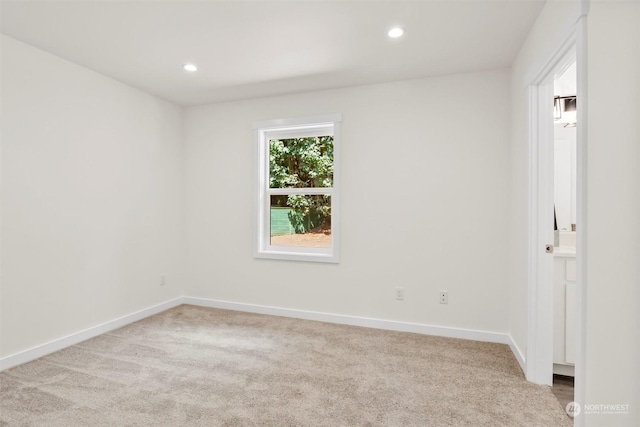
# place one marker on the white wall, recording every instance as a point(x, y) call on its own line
point(91, 207)
point(424, 195)
point(552, 27)
point(613, 223)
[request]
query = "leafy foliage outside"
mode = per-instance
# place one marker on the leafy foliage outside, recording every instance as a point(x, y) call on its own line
point(303, 163)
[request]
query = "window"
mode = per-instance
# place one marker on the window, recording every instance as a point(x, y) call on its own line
point(297, 198)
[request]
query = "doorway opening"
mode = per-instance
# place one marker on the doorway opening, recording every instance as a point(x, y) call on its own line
point(564, 284)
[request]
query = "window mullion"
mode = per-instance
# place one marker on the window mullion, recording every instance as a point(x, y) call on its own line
point(310, 191)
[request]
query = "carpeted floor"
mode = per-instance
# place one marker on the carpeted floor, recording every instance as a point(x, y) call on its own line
point(200, 366)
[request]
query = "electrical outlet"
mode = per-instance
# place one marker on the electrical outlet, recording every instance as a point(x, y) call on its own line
point(399, 293)
point(444, 297)
point(162, 280)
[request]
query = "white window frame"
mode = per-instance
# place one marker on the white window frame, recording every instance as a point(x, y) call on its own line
point(294, 128)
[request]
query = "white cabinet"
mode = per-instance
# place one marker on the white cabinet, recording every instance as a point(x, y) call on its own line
point(564, 314)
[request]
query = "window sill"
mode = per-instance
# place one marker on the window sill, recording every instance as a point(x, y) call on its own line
point(298, 256)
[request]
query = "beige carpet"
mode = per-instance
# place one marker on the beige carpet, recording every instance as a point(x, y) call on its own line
point(201, 366)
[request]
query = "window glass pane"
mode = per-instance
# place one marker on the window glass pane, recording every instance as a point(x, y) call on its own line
point(301, 162)
point(301, 220)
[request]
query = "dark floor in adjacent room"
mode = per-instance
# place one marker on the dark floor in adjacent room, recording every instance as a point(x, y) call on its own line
point(563, 389)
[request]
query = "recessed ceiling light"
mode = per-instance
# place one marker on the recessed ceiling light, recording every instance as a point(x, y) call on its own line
point(396, 32)
point(190, 67)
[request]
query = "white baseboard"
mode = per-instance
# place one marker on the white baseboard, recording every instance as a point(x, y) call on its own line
point(518, 354)
point(566, 370)
point(367, 322)
point(69, 340)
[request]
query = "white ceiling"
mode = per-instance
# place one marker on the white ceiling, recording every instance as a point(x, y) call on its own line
point(247, 49)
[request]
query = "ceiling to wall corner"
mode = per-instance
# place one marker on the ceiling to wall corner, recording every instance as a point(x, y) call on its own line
point(247, 49)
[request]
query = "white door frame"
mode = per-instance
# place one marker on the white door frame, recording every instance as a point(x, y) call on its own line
point(541, 145)
point(539, 357)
